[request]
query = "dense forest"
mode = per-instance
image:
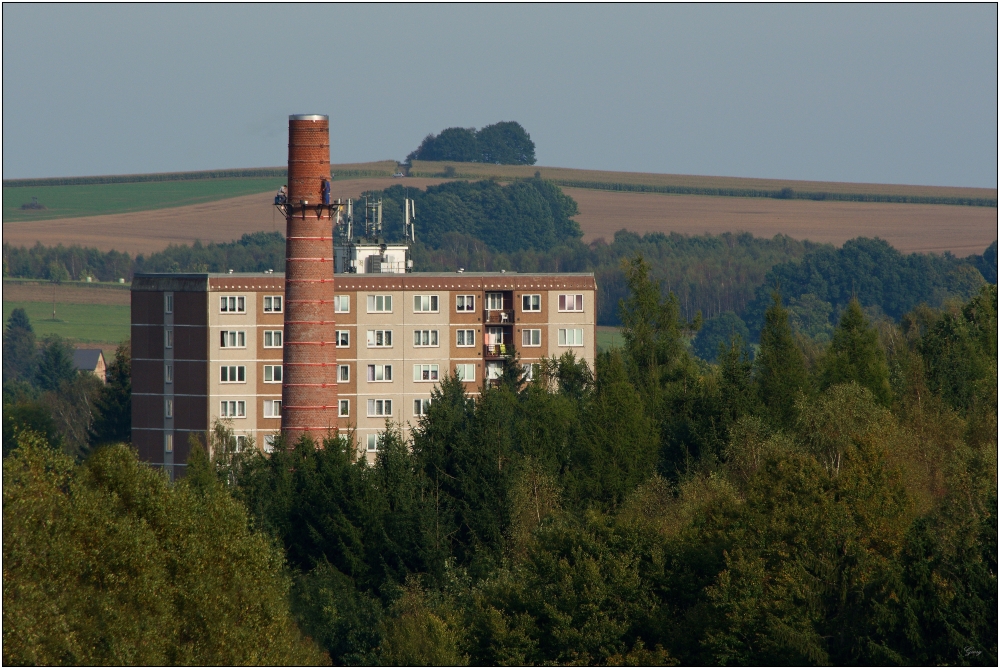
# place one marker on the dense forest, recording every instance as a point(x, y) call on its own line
point(503, 143)
point(790, 507)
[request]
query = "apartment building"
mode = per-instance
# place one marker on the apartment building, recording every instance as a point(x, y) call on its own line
point(210, 346)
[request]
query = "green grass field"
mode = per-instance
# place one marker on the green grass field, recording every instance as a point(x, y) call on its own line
point(93, 199)
point(100, 324)
point(608, 338)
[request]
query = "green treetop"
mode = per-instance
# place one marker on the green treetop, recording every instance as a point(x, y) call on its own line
point(781, 370)
point(855, 355)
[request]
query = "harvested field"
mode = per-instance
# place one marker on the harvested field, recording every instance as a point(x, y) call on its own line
point(606, 179)
point(151, 231)
point(910, 228)
point(66, 293)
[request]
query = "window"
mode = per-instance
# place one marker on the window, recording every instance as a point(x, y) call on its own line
point(494, 301)
point(233, 304)
point(269, 440)
point(168, 338)
point(379, 338)
point(494, 335)
point(168, 373)
point(494, 370)
point(168, 303)
point(465, 303)
point(168, 409)
point(168, 442)
point(421, 407)
point(425, 372)
point(379, 407)
point(235, 409)
point(423, 303)
point(531, 303)
point(425, 337)
point(466, 372)
point(234, 339)
point(571, 337)
point(373, 442)
point(343, 373)
point(342, 304)
point(378, 304)
point(344, 408)
point(272, 373)
point(343, 338)
point(530, 370)
point(571, 303)
point(241, 443)
point(272, 304)
point(380, 372)
point(465, 338)
point(272, 338)
point(272, 408)
point(531, 337)
point(233, 374)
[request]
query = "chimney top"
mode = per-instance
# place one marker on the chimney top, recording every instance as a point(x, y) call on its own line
point(308, 117)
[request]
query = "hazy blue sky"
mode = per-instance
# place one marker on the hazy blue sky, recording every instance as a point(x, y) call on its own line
point(887, 93)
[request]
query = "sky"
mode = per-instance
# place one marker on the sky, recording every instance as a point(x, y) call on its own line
point(863, 93)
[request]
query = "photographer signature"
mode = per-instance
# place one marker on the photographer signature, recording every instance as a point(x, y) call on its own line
point(969, 650)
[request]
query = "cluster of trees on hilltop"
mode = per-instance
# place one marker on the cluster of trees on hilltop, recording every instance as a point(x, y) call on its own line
point(43, 390)
point(503, 143)
point(766, 511)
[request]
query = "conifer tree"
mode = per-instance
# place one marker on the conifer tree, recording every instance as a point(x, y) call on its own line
point(19, 350)
point(113, 421)
point(855, 355)
point(781, 370)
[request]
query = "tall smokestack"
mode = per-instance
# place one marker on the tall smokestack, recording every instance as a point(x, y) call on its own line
point(309, 384)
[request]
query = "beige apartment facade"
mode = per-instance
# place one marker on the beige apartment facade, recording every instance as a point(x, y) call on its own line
point(208, 347)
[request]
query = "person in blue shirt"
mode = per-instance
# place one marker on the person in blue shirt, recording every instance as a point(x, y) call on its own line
point(326, 191)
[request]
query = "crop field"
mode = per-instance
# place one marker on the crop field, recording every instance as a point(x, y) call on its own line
point(99, 325)
point(91, 196)
point(95, 315)
point(923, 228)
point(88, 200)
point(144, 217)
point(153, 230)
point(706, 185)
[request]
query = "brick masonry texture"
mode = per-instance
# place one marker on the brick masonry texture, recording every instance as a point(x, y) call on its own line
point(309, 384)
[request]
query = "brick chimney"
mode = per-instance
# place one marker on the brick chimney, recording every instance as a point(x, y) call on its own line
point(309, 384)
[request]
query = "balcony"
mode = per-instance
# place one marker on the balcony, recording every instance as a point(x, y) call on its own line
point(498, 316)
point(496, 351)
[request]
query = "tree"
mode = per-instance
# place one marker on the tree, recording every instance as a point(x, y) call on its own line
point(106, 563)
point(781, 371)
point(72, 405)
point(20, 352)
point(505, 143)
point(55, 363)
point(855, 355)
point(716, 332)
point(113, 420)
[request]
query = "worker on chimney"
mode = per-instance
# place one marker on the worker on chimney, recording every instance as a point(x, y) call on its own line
point(326, 191)
point(282, 195)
